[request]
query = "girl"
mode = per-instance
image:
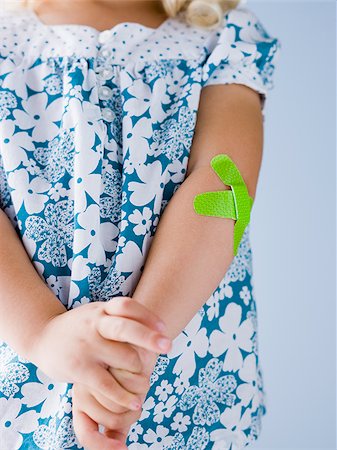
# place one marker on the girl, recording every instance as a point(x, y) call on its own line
point(111, 112)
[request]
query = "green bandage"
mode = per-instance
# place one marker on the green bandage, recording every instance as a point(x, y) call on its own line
point(232, 204)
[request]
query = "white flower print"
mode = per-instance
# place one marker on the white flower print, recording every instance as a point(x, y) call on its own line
point(104, 290)
point(192, 94)
point(225, 287)
point(135, 430)
point(197, 440)
point(12, 372)
point(137, 142)
point(110, 201)
point(81, 301)
point(142, 220)
point(55, 437)
point(180, 422)
point(192, 340)
point(178, 169)
point(143, 99)
point(15, 422)
point(151, 184)
point(233, 433)
point(180, 81)
point(242, 262)
point(31, 193)
point(166, 409)
point(228, 49)
point(233, 337)
point(248, 391)
point(180, 383)
point(65, 407)
point(43, 390)
point(55, 232)
point(164, 390)
point(90, 235)
point(53, 85)
point(40, 115)
point(157, 438)
point(15, 79)
point(209, 391)
point(159, 368)
point(58, 157)
point(137, 446)
point(14, 145)
point(175, 134)
point(87, 183)
point(213, 303)
point(147, 405)
point(57, 191)
point(32, 167)
point(245, 295)
point(7, 102)
point(54, 284)
point(130, 264)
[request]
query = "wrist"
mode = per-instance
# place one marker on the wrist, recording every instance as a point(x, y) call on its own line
point(31, 349)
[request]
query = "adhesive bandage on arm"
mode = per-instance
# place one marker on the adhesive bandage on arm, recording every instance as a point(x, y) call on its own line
point(234, 204)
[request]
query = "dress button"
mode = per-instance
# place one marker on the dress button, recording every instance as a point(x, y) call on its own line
point(108, 114)
point(104, 36)
point(104, 93)
point(105, 52)
point(106, 74)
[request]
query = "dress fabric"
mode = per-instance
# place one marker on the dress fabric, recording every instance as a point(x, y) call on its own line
point(95, 133)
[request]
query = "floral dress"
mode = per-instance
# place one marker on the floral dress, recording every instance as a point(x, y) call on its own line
point(95, 133)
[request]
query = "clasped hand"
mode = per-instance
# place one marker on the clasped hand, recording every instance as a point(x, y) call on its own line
point(108, 350)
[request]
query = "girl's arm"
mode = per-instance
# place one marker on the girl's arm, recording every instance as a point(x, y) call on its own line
point(26, 302)
point(190, 253)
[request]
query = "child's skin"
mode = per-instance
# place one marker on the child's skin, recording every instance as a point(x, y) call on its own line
point(200, 243)
point(80, 345)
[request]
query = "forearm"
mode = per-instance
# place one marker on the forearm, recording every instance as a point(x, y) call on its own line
point(188, 257)
point(26, 302)
point(191, 253)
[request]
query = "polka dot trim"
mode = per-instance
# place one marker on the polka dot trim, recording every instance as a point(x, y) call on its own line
point(122, 44)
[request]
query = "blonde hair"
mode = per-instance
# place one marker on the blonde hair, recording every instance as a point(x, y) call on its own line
point(202, 13)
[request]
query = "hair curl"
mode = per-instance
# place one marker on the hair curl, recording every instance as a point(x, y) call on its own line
point(200, 13)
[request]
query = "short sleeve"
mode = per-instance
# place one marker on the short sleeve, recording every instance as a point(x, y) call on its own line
point(242, 52)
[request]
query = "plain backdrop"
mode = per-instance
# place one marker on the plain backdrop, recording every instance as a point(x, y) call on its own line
point(293, 230)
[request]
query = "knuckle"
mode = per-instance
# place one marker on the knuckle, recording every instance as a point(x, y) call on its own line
point(114, 422)
point(75, 363)
point(125, 304)
point(118, 326)
point(105, 384)
point(134, 360)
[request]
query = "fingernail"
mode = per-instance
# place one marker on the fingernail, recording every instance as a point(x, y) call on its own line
point(163, 343)
point(135, 404)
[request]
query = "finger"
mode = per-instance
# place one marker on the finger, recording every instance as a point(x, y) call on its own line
point(131, 308)
point(102, 415)
point(89, 436)
point(122, 436)
point(137, 383)
point(126, 330)
point(120, 355)
point(99, 378)
point(122, 433)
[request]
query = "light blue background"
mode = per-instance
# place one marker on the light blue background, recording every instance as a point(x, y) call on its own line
point(293, 230)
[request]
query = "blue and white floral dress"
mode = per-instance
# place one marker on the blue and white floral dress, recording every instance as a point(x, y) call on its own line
point(95, 133)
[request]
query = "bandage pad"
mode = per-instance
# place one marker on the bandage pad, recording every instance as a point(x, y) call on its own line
point(233, 204)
